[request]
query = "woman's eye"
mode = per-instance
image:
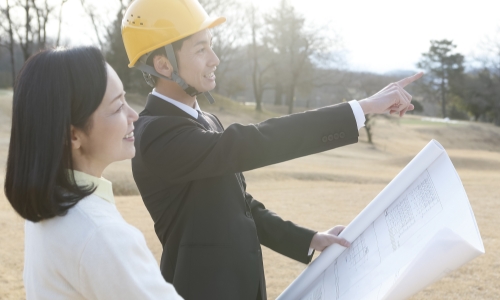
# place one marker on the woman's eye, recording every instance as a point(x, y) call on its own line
point(120, 108)
point(201, 50)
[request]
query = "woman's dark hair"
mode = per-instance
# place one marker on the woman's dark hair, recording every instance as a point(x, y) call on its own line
point(55, 89)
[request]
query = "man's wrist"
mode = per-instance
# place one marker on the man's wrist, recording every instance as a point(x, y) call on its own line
point(365, 106)
point(313, 242)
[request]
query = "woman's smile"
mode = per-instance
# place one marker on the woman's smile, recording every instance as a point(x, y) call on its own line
point(130, 136)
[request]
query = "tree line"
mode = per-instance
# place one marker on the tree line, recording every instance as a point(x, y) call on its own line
point(463, 94)
point(269, 58)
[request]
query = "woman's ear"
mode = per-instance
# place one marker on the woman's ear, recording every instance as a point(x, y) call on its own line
point(163, 66)
point(76, 140)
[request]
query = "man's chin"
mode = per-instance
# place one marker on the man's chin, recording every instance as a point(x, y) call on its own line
point(207, 88)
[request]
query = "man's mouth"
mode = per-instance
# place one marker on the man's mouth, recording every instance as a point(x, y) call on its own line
point(210, 76)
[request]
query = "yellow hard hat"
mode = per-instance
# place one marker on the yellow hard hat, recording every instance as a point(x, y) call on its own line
point(150, 24)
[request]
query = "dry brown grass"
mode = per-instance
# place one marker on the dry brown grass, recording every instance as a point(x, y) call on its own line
point(320, 191)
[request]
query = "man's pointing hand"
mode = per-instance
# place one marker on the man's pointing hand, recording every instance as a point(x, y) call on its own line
point(393, 98)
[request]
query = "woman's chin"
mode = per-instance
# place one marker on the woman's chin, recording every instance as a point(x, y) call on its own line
point(128, 153)
point(131, 154)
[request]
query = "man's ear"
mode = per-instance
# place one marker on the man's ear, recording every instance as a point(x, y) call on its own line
point(163, 66)
point(76, 139)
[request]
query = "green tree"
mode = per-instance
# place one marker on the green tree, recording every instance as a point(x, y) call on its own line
point(114, 49)
point(492, 63)
point(444, 68)
point(477, 93)
point(116, 56)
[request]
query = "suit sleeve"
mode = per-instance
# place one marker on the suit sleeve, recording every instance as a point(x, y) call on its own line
point(282, 236)
point(181, 151)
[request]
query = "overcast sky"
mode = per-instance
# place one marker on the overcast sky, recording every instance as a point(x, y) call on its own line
point(379, 35)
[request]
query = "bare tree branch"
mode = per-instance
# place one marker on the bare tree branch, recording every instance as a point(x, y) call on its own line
point(10, 44)
point(58, 39)
point(93, 18)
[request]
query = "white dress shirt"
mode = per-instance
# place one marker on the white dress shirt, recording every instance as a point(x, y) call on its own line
point(91, 253)
point(359, 114)
point(193, 112)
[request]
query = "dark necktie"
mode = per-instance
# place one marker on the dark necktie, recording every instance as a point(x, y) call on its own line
point(201, 119)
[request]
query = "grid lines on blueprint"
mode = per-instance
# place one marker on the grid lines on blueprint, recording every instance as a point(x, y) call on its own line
point(412, 207)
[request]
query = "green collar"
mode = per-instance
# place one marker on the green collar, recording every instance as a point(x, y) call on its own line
point(104, 187)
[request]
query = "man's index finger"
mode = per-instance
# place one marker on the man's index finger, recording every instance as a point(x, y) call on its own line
point(406, 81)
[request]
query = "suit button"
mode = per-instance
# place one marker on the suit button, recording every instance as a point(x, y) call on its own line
point(324, 139)
point(330, 137)
point(336, 136)
point(249, 215)
point(342, 135)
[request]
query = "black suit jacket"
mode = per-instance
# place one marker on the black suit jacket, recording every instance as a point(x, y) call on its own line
point(191, 182)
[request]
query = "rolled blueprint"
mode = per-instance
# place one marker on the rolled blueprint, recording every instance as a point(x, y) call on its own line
point(413, 181)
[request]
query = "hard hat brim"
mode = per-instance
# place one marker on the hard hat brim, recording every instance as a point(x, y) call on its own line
point(215, 21)
point(211, 22)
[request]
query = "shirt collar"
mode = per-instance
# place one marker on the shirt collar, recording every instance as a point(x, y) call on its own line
point(104, 188)
point(193, 112)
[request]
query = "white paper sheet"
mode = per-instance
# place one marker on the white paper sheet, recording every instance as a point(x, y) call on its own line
point(417, 229)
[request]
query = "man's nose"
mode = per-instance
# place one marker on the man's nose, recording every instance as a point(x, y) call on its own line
point(214, 60)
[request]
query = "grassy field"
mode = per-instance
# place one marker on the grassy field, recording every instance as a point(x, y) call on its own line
point(320, 191)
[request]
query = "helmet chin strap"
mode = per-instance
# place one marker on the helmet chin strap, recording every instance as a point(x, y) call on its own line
point(148, 70)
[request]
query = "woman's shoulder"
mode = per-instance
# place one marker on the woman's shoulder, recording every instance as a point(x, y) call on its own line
point(86, 245)
point(96, 210)
point(65, 238)
point(89, 215)
point(103, 218)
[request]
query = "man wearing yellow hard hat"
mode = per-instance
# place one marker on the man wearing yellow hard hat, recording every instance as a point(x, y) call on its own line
point(188, 168)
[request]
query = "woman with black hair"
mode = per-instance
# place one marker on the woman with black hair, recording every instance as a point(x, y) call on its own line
point(70, 121)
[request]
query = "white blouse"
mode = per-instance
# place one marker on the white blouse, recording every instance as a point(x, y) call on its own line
point(91, 253)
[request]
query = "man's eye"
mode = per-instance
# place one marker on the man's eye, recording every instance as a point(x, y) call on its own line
point(201, 50)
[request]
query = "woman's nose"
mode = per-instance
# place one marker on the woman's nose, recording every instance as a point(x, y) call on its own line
point(133, 116)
